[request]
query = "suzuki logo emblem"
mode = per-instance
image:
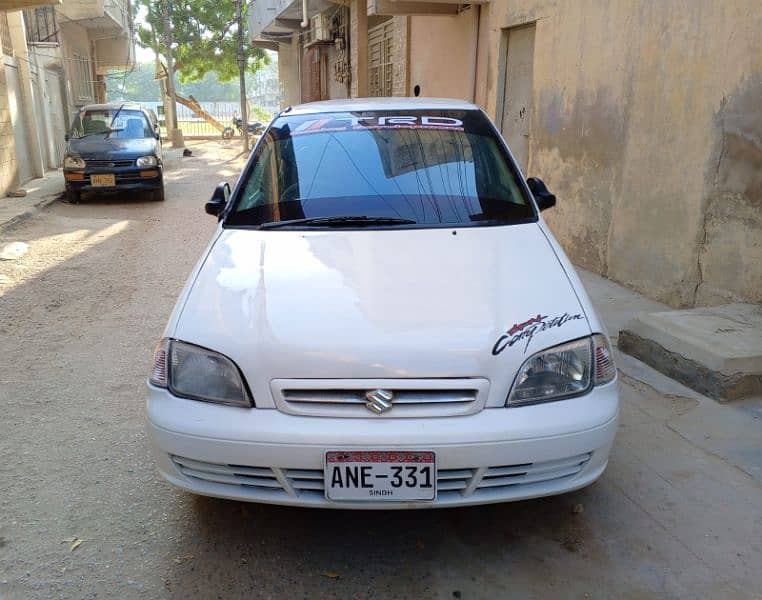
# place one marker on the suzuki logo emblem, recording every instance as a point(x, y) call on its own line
point(379, 401)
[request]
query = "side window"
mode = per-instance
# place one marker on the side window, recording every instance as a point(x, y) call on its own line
point(259, 189)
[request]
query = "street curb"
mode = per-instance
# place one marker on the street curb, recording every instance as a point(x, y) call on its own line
point(719, 386)
point(44, 202)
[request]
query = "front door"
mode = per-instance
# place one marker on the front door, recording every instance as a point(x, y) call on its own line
point(517, 95)
point(57, 112)
point(380, 67)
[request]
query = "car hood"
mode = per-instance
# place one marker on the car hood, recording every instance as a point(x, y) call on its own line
point(99, 147)
point(424, 303)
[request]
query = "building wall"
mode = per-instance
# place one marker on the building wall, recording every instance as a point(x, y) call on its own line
point(32, 130)
point(400, 57)
point(78, 63)
point(358, 48)
point(7, 143)
point(81, 9)
point(289, 56)
point(443, 55)
point(646, 123)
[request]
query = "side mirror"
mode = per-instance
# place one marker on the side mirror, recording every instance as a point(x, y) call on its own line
point(219, 200)
point(157, 135)
point(541, 194)
point(66, 137)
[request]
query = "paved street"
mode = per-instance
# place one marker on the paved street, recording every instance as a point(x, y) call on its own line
point(678, 513)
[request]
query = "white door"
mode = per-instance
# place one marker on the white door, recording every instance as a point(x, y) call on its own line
point(57, 114)
point(37, 102)
point(20, 130)
point(517, 95)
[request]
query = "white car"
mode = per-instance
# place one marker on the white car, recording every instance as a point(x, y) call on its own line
point(382, 319)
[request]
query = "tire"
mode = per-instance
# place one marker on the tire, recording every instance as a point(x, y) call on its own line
point(157, 195)
point(73, 196)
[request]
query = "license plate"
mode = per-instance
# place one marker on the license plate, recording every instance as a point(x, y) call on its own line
point(379, 475)
point(108, 180)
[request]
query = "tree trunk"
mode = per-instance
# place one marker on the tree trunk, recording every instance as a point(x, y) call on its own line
point(242, 77)
point(170, 115)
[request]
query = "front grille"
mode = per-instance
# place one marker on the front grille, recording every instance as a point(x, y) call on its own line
point(411, 398)
point(130, 177)
point(483, 478)
point(109, 164)
point(466, 482)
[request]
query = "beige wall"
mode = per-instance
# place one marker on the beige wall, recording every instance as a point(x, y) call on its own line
point(443, 55)
point(80, 88)
point(7, 143)
point(288, 73)
point(27, 109)
point(358, 48)
point(646, 123)
point(80, 9)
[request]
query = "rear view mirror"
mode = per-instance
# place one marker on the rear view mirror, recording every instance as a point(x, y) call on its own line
point(541, 194)
point(219, 200)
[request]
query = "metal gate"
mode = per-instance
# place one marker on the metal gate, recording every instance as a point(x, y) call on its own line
point(20, 129)
point(380, 67)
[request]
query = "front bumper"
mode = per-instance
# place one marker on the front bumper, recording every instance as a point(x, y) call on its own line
point(125, 179)
point(496, 455)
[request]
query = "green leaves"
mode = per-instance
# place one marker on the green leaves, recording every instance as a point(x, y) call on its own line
point(205, 37)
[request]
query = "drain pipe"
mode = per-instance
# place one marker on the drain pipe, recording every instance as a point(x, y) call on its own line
point(305, 19)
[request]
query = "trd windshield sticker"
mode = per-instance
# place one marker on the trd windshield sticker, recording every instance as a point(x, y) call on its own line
point(390, 122)
point(528, 329)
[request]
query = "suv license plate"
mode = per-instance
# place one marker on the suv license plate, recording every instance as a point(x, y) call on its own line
point(380, 475)
point(103, 180)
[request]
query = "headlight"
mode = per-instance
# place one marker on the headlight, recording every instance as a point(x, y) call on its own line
point(193, 372)
point(563, 371)
point(73, 162)
point(146, 161)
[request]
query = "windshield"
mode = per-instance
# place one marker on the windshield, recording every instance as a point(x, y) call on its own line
point(429, 167)
point(129, 124)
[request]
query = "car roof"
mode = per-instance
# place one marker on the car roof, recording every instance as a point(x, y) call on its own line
point(371, 104)
point(113, 106)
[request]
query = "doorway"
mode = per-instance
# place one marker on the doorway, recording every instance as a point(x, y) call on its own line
point(380, 67)
point(517, 93)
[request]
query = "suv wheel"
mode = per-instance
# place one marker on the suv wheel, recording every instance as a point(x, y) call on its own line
point(73, 196)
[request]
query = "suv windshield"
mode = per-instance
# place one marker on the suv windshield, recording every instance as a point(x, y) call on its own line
point(129, 124)
point(386, 169)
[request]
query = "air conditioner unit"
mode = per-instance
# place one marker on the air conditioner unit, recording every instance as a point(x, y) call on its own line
point(320, 29)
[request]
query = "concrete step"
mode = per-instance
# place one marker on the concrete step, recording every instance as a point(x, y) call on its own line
point(716, 351)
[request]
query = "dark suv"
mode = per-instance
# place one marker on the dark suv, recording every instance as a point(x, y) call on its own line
point(113, 147)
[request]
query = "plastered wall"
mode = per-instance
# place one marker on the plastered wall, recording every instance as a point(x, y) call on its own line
point(646, 123)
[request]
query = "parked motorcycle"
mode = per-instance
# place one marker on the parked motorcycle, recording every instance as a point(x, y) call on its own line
point(255, 128)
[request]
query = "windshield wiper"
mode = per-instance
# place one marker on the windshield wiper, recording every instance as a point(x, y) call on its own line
point(113, 120)
point(349, 221)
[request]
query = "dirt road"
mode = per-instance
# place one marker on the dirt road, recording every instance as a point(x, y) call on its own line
point(79, 315)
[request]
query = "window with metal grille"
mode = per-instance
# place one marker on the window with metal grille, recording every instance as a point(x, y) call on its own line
point(82, 83)
point(5, 34)
point(41, 24)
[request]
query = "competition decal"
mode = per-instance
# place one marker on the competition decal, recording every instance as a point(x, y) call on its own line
point(529, 328)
